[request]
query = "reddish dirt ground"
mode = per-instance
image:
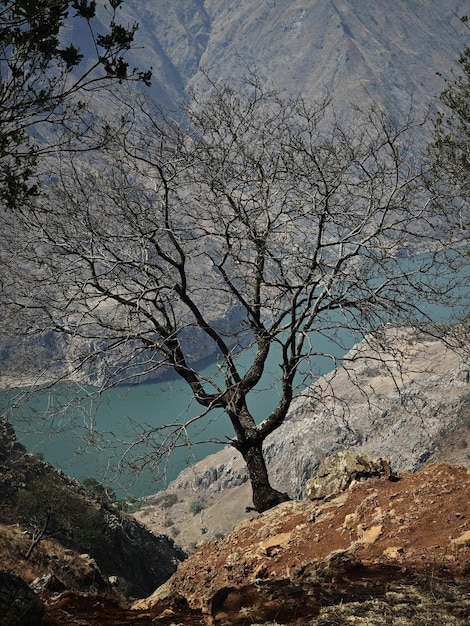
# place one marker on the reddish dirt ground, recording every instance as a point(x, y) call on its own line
point(85, 610)
point(375, 533)
point(412, 523)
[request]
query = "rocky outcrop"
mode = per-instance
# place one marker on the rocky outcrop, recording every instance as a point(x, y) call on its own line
point(129, 551)
point(381, 552)
point(339, 471)
point(409, 403)
point(19, 605)
point(9, 444)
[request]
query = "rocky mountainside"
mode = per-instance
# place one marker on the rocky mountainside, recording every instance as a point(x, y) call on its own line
point(412, 407)
point(382, 552)
point(347, 47)
point(51, 525)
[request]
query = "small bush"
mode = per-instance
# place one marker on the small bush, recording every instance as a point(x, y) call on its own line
point(196, 507)
point(130, 505)
point(168, 500)
point(106, 494)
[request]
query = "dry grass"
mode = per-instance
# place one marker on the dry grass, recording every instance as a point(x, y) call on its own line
point(48, 557)
point(425, 603)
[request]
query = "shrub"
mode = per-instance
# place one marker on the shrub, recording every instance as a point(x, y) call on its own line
point(196, 507)
point(168, 500)
point(49, 509)
point(105, 493)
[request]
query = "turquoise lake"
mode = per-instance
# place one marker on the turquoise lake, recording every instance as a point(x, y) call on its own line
point(77, 430)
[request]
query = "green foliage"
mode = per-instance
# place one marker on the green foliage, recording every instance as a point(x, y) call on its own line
point(37, 83)
point(50, 505)
point(107, 494)
point(196, 507)
point(451, 149)
point(85, 9)
point(71, 56)
point(165, 501)
point(129, 505)
point(124, 586)
point(169, 500)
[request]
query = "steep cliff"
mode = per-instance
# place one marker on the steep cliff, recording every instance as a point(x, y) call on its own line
point(346, 47)
point(50, 507)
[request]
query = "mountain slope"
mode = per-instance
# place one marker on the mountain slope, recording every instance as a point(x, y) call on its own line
point(346, 47)
point(362, 554)
point(48, 520)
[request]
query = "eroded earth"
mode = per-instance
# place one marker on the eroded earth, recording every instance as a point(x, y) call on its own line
point(384, 551)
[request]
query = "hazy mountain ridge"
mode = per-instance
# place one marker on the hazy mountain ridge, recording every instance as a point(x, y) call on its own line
point(343, 46)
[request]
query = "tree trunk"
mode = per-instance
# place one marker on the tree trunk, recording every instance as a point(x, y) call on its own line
point(264, 496)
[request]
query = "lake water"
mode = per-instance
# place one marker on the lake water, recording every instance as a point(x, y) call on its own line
point(86, 434)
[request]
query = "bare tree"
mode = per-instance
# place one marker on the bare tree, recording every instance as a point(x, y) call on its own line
point(256, 223)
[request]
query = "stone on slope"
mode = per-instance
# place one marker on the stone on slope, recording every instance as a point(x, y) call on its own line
point(338, 471)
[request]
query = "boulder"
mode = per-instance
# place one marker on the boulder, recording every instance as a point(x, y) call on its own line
point(19, 605)
point(337, 472)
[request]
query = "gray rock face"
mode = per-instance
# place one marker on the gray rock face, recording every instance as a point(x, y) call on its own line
point(223, 476)
point(344, 46)
point(130, 551)
point(337, 472)
point(19, 605)
point(9, 444)
point(48, 582)
point(412, 408)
